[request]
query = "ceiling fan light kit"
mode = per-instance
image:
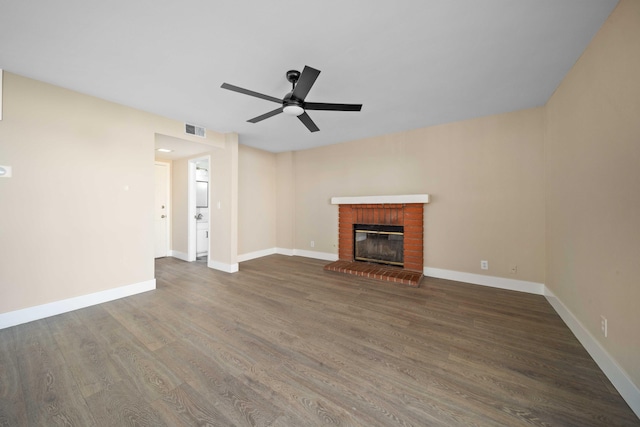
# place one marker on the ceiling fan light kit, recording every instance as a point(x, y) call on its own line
point(293, 110)
point(293, 102)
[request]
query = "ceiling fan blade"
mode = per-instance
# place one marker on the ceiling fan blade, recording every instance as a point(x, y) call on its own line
point(331, 107)
point(304, 118)
point(306, 80)
point(250, 93)
point(266, 115)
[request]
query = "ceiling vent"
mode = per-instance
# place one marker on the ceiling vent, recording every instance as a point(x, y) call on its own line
point(195, 130)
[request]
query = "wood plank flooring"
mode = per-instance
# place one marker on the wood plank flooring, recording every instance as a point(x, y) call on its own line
point(285, 343)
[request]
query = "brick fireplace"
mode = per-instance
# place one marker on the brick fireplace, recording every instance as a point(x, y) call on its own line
point(404, 211)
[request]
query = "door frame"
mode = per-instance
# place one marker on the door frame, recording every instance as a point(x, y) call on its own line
point(191, 210)
point(168, 205)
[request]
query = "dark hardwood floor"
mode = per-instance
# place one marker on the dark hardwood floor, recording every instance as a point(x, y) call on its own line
point(285, 343)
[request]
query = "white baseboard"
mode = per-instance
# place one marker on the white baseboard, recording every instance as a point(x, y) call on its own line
point(180, 255)
point(480, 279)
point(618, 377)
point(30, 314)
point(256, 254)
point(284, 251)
point(216, 265)
point(227, 268)
point(326, 256)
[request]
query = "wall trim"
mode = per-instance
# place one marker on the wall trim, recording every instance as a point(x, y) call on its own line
point(481, 279)
point(284, 251)
point(618, 377)
point(38, 312)
point(326, 256)
point(216, 265)
point(180, 255)
point(221, 266)
point(256, 254)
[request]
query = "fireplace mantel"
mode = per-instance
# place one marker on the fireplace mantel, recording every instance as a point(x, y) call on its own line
point(396, 199)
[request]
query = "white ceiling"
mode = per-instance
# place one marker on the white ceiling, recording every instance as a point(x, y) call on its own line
point(411, 63)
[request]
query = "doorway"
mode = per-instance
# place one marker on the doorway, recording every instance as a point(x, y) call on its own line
point(199, 209)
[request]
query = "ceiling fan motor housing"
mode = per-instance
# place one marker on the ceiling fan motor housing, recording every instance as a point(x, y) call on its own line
point(293, 76)
point(289, 99)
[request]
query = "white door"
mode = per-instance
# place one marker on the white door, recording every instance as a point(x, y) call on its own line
point(161, 210)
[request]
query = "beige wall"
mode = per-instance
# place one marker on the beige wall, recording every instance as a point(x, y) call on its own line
point(180, 205)
point(485, 177)
point(68, 226)
point(256, 200)
point(223, 189)
point(285, 189)
point(76, 218)
point(593, 187)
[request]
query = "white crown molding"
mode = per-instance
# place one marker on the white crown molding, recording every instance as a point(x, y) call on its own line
point(30, 314)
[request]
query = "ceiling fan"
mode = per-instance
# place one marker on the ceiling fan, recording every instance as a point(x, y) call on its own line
point(293, 102)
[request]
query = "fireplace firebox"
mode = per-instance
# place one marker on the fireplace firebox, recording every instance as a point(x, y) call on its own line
point(382, 244)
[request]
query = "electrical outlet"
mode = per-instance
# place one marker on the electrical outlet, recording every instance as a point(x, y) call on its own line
point(514, 269)
point(603, 325)
point(484, 265)
point(313, 244)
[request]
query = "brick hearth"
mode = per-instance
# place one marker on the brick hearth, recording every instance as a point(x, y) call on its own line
point(408, 215)
point(376, 271)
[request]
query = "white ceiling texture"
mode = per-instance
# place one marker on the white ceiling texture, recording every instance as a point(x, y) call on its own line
point(411, 63)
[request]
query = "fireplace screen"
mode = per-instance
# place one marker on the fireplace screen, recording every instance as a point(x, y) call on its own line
point(383, 244)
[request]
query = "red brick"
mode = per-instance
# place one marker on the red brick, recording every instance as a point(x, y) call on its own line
point(413, 249)
point(414, 253)
point(413, 261)
point(414, 207)
point(413, 256)
point(345, 218)
point(413, 221)
point(368, 216)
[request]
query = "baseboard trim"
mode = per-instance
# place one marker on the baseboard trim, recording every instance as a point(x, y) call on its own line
point(38, 312)
point(491, 281)
point(325, 256)
point(256, 254)
point(284, 251)
point(227, 268)
point(180, 255)
point(618, 377)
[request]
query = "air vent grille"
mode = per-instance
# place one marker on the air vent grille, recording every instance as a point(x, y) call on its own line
point(195, 130)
